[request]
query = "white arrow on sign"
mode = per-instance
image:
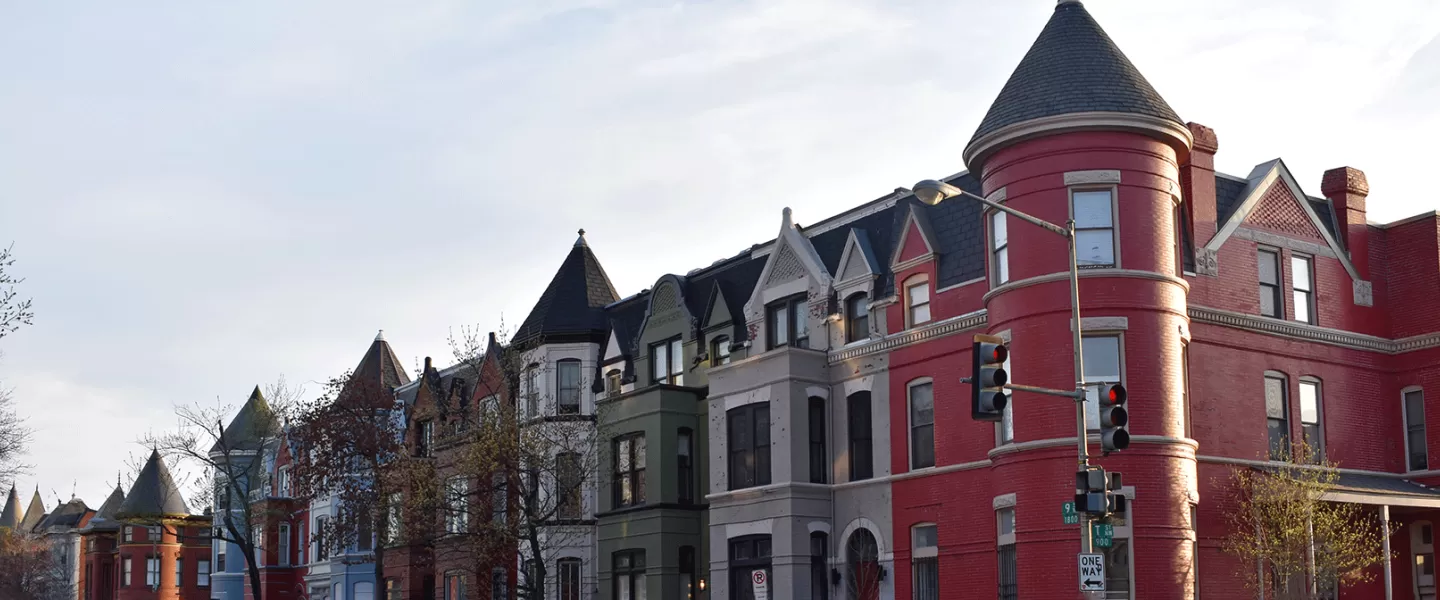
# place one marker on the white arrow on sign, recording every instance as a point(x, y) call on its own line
point(1092, 572)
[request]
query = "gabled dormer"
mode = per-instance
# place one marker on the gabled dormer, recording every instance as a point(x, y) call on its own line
point(789, 306)
point(666, 339)
point(913, 262)
point(855, 289)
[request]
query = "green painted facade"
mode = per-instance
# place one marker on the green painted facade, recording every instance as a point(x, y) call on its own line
point(668, 524)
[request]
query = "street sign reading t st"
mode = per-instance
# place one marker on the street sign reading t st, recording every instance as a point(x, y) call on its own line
point(1092, 572)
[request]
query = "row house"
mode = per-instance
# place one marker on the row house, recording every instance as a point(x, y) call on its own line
point(796, 410)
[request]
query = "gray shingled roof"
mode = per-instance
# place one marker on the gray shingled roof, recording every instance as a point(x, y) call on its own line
point(12, 514)
point(104, 518)
point(1073, 67)
point(381, 366)
point(33, 513)
point(65, 517)
point(1375, 484)
point(573, 305)
point(251, 427)
point(154, 493)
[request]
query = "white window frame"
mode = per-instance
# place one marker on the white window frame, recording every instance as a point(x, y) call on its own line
point(152, 571)
point(282, 538)
point(1279, 280)
point(1405, 423)
point(202, 573)
point(999, 247)
point(910, 423)
point(911, 284)
point(1005, 428)
point(1312, 303)
point(127, 568)
point(1092, 402)
point(457, 502)
point(1003, 539)
point(924, 552)
point(1310, 380)
point(1114, 221)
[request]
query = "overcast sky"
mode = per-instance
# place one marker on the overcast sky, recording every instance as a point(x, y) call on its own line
point(203, 196)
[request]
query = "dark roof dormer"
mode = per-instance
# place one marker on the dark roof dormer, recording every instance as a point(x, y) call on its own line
point(1074, 77)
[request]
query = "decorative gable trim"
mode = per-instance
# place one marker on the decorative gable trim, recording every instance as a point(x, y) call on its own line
point(790, 245)
point(1262, 178)
point(857, 262)
point(666, 305)
point(915, 220)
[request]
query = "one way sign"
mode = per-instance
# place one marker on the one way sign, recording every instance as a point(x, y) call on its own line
point(1092, 572)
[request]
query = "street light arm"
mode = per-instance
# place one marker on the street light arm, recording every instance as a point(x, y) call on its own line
point(932, 192)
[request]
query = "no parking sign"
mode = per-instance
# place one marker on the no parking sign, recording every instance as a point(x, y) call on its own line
point(757, 584)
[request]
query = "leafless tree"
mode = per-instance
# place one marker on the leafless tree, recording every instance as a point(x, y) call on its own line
point(229, 465)
point(348, 442)
point(14, 433)
point(29, 570)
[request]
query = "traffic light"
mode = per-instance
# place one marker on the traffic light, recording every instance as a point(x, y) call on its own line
point(988, 378)
point(1114, 419)
point(1117, 501)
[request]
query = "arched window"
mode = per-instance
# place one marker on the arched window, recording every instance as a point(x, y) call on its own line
point(568, 571)
point(819, 582)
point(1277, 414)
point(720, 351)
point(364, 590)
point(857, 317)
point(862, 562)
point(612, 383)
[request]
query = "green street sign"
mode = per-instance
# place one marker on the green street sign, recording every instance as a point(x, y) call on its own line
point(1067, 512)
point(1102, 534)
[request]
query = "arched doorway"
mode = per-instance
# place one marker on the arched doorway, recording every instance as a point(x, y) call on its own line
point(862, 562)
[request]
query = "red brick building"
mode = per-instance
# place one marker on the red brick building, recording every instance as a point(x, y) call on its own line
point(1238, 311)
point(146, 545)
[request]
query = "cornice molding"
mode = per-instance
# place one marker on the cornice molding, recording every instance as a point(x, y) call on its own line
point(1312, 333)
point(910, 336)
point(1085, 274)
point(987, 144)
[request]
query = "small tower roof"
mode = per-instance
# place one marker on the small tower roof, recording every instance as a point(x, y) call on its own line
point(154, 494)
point(105, 517)
point(251, 426)
point(12, 513)
point(381, 366)
point(573, 305)
point(33, 513)
point(1073, 67)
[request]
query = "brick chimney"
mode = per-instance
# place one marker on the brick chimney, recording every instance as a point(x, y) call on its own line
point(1197, 182)
point(1346, 188)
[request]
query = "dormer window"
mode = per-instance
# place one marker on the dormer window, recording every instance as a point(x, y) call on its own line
point(612, 383)
point(667, 362)
point(785, 323)
point(424, 436)
point(720, 351)
point(857, 317)
point(917, 302)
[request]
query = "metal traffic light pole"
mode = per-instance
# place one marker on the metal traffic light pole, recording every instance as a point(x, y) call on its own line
point(933, 192)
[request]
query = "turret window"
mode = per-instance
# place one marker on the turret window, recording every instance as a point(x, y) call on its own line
point(1093, 211)
point(567, 381)
point(999, 248)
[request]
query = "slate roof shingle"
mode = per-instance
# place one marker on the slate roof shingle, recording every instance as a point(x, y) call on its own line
point(154, 494)
point(573, 305)
point(1073, 67)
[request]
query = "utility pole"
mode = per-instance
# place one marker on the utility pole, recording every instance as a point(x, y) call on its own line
point(933, 192)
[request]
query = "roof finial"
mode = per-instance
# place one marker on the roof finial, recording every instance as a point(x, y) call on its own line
point(785, 218)
point(380, 337)
point(581, 240)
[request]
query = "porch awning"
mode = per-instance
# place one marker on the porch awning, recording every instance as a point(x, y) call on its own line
point(1377, 489)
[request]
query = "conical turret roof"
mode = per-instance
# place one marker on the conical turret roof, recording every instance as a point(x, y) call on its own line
point(154, 494)
point(251, 427)
point(381, 366)
point(12, 513)
point(105, 517)
point(572, 308)
point(1073, 67)
point(33, 513)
